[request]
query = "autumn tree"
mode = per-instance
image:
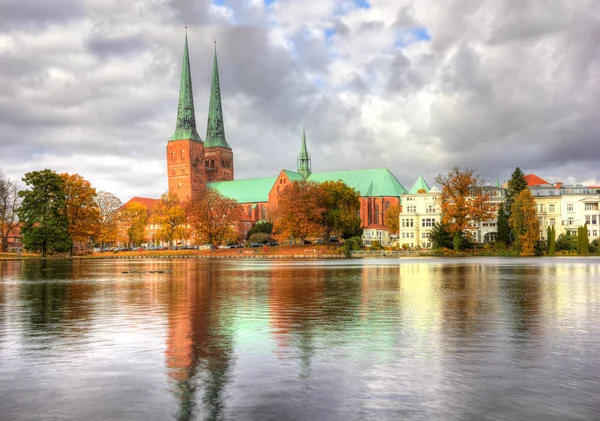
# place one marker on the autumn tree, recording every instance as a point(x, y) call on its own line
point(463, 201)
point(108, 205)
point(170, 215)
point(131, 224)
point(42, 212)
point(516, 185)
point(81, 209)
point(392, 219)
point(524, 223)
point(214, 218)
point(9, 204)
point(341, 205)
point(299, 211)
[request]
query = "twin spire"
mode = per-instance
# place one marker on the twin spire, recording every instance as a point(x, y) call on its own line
point(186, 119)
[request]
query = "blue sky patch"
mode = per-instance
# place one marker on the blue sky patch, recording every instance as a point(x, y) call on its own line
point(363, 4)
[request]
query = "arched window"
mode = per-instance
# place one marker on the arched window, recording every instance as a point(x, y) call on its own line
point(179, 186)
point(183, 154)
point(173, 156)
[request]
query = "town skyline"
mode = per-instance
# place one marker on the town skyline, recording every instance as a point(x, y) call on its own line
point(85, 91)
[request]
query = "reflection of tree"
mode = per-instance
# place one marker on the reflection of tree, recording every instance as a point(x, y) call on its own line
point(524, 293)
point(199, 341)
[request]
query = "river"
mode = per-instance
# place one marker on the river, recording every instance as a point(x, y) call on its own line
point(354, 339)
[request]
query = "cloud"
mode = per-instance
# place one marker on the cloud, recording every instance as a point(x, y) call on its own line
point(91, 86)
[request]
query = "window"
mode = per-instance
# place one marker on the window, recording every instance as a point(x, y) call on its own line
point(173, 156)
point(428, 222)
point(407, 223)
point(552, 221)
point(411, 209)
point(591, 206)
point(183, 154)
point(569, 207)
point(594, 219)
point(430, 208)
point(570, 221)
point(412, 235)
point(425, 235)
point(551, 207)
point(541, 208)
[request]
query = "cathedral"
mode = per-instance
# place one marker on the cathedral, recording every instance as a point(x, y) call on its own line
point(195, 165)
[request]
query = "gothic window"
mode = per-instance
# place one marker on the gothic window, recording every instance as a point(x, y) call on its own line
point(182, 154)
point(179, 186)
point(174, 171)
point(206, 163)
point(173, 156)
point(376, 213)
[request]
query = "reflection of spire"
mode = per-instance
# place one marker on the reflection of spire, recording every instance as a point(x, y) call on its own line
point(198, 348)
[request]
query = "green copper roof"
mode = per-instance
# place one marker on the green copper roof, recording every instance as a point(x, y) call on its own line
point(420, 184)
point(245, 191)
point(374, 182)
point(215, 129)
point(304, 158)
point(186, 119)
point(293, 176)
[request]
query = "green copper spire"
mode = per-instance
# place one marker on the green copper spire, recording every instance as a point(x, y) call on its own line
point(186, 119)
point(304, 158)
point(215, 129)
point(419, 185)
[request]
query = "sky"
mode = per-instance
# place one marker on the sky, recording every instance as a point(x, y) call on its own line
point(419, 86)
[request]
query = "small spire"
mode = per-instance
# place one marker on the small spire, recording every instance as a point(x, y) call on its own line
point(186, 118)
point(304, 158)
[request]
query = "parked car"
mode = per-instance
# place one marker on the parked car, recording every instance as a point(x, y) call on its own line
point(254, 245)
point(334, 239)
point(272, 244)
point(318, 241)
point(307, 242)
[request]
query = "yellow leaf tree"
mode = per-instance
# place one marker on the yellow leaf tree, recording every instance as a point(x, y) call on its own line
point(524, 223)
point(214, 219)
point(463, 201)
point(81, 209)
point(109, 205)
point(131, 224)
point(392, 219)
point(170, 215)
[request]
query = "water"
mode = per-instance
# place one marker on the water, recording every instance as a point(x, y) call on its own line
point(423, 339)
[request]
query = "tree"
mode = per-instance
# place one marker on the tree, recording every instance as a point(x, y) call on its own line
point(170, 215)
point(261, 227)
point(516, 185)
point(440, 236)
point(299, 211)
point(503, 228)
point(551, 241)
point(342, 208)
point(524, 223)
point(131, 224)
point(81, 209)
point(583, 242)
point(463, 201)
point(214, 218)
point(392, 219)
point(9, 204)
point(108, 205)
point(42, 212)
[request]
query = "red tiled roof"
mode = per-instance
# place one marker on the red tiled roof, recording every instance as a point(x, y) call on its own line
point(377, 227)
point(146, 201)
point(534, 180)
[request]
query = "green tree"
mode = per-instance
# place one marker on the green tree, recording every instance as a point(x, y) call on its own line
point(583, 242)
point(503, 228)
point(342, 208)
point(42, 212)
point(261, 227)
point(524, 223)
point(567, 242)
point(551, 241)
point(441, 237)
point(516, 185)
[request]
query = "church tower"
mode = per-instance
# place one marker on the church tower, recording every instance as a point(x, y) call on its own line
point(218, 153)
point(185, 149)
point(304, 159)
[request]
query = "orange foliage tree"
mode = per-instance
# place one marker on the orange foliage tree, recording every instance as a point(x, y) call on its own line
point(463, 200)
point(9, 204)
point(81, 209)
point(392, 219)
point(109, 205)
point(170, 215)
point(131, 224)
point(299, 212)
point(524, 223)
point(214, 219)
